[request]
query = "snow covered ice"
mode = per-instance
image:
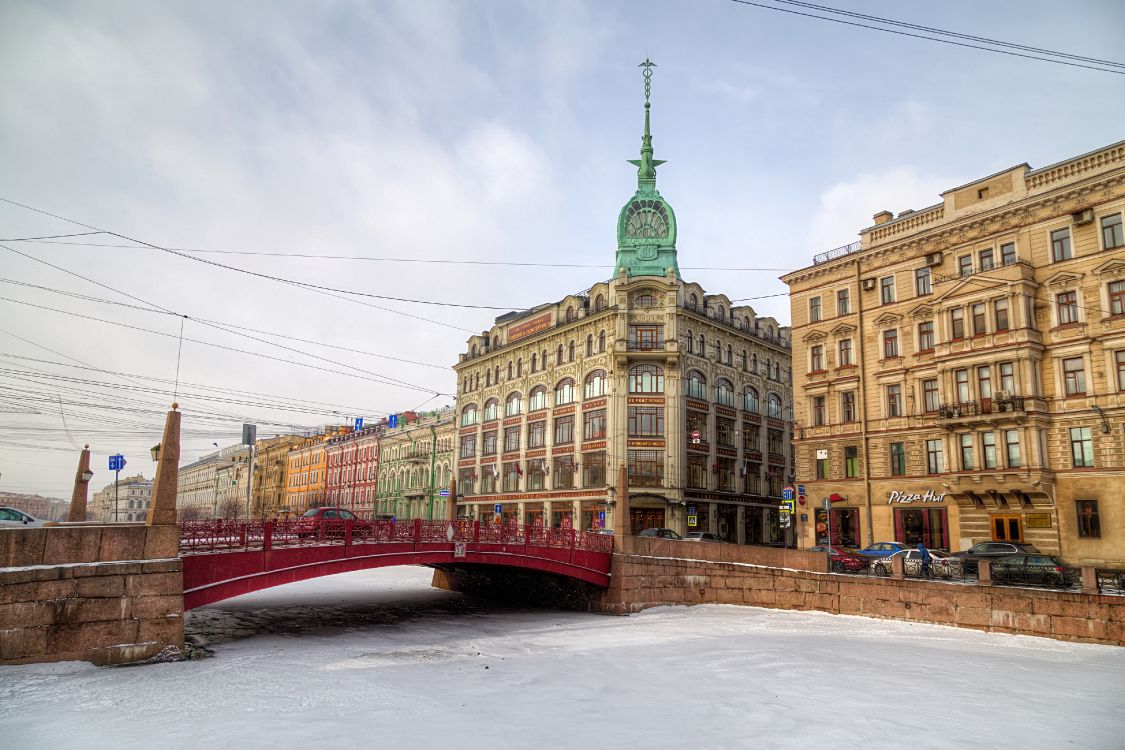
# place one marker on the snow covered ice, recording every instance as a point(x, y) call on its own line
point(378, 659)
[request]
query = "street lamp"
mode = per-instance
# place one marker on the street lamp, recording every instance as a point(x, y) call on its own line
point(154, 451)
point(87, 475)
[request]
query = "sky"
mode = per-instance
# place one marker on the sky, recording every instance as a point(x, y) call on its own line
point(377, 658)
point(485, 133)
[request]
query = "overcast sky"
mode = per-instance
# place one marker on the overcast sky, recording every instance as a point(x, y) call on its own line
point(483, 131)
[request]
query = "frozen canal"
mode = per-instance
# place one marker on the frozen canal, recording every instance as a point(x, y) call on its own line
point(378, 659)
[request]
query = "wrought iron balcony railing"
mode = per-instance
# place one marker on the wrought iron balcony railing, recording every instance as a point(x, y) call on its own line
point(984, 406)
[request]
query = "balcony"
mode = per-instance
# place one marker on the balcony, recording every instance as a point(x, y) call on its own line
point(1008, 269)
point(1004, 406)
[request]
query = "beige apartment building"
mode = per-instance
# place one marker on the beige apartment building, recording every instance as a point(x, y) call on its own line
point(271, 473)
point(214, 486)
point(960, 371)
point(127, 501)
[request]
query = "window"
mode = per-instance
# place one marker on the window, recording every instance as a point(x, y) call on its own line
point(894, 400)
point(601, 342)
point(967, 452)
point(564, 468)
point(593, 469)
point(697, 471)
point(1060, 244)
point(922, 282)
point(590, 345)
point(537, 434)
point(1000, 310)
point(986, 262)
point(845, 352)
point(898, 459)
point(595, 384)
point(1007, 253)
point(570, 352)
point(1007, 377)
point(926, 336)
point(773, 405)
point(930, 398)
point(961, 380)
point(693, 302)
point(1012, 448)
point(842, 302)
point(469, 415)
point(1067, 307)
point(814, 309)
point(816, 358)
point(934, 464)
point(890, 343)
point(847, 406)
point(696, 385)
point(468, 446)
point(851, 461)
point(564, 430)
point(511, 439)
point(965, 265)
point(538, 398)
point(1081, 447)
point(646, 337)
point(724, 392)
point(1119, 361)
point(822, 468)
point(536, 474)
point(984, 381)
point(488, 447)
point(644, 300)
point(1089, 526)
point(988, 450)
point(957, 323)
point(751, 438)
point(599, 303)
point(1112, 235)
point(594, 426)
point(512, 405)
point(564, 392)
point(887, 289)
point(511, 477)
point(1074, 376)
point(646, 379)
point(750, 400)
point(1117, 298)
point(724, 431)
point(646, 468)
point(646, 421)
point(818, 416)
point(979, 319)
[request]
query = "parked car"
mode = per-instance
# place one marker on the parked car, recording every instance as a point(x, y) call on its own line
point(661, 533)
point(883, 549)
point(701, 536)
point(992, 551)
point(13, 518)
point(943, 565)
point(1042, 569)
point(841, 559)
point(309, 524)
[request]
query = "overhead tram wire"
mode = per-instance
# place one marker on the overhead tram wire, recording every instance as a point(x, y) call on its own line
point(1057, 61)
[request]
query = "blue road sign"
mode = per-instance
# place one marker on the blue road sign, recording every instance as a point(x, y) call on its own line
point(801, 490)
point(358, 424)
point(787, 493)
point(392, 420)
point(496, 509)
point(601, 516)
point(116, 462)
point(444, 492)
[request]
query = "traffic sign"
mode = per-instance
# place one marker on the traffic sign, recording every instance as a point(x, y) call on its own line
point(601, 518)
point(695, 436)
point(444, 492)
point(458, 549)
point(496, 509)
point(358, 424)
point(693, 520)
point(787, 493)
point(801, 490)
point(116, 462)
point(786, 522)
point(392, 421)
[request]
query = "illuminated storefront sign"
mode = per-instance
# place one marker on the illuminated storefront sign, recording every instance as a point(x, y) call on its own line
point(929, 496)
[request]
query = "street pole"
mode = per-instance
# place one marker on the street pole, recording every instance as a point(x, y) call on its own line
point(828, 519)
point(433, 461)
point(116, 496)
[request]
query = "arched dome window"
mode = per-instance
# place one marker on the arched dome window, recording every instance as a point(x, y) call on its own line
point(724, 392)
point(564, 392)
point(513, 405)
point(599, 303)
point(594, 385)
point(538, 398)
point(773, 405)
point(750, 401)
point(646, 379)
point(696, 385)
point(469, 415)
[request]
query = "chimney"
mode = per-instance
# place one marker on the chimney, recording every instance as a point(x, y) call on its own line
point(882, 217)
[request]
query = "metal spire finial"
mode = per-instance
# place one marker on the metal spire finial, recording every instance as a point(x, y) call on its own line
point(648, 65)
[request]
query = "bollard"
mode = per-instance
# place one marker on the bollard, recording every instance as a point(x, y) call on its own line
point(984, 573)
point(1089, 580)
point(898, 567)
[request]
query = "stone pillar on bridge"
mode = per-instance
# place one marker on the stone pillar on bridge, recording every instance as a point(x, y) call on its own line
point(163, 508)
point(81, 484)
point(621, 523)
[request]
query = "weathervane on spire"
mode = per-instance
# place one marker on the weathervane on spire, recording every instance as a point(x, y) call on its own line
point(648, 65)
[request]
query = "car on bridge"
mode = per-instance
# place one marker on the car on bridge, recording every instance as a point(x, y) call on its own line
point(330, 520)
point(661, 533)
point(11, 518)
point(701, 536)
point(942, 564)
point(1046, 570)
point(993, 552)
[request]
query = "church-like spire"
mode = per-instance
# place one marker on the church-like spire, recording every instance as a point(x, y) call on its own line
point(646, 165)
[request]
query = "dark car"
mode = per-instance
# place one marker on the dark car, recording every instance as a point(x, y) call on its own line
point(1041, 569)
point(992, 551)
point(661, 533)
point(701, 536)
point(309, 524)
point(841, 559)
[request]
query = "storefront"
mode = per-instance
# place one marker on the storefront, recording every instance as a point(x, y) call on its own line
point(838, 526)
point(698, 516)
point(928, 526)
point(645, 518)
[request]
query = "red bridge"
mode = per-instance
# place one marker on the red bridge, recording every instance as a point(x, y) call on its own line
point(222, 559)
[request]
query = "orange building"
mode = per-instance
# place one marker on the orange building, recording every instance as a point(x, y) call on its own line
point(306, 474)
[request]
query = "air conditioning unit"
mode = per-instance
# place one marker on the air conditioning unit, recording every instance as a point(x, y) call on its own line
point(1085, 216)
point(868, 285)
point(933, 259)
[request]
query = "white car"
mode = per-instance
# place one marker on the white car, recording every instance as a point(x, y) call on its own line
point(11, 518)
point(944, 565)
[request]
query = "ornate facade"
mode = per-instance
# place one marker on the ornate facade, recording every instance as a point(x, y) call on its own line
point(960, 372)
point(271, 469)
point(416, 465)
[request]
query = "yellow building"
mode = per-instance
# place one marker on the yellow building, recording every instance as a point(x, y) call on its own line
point(959, 373)
point(305, 475)
point(271, 470)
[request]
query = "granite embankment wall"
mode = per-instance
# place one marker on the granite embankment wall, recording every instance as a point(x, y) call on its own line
point(104, 594)
point(654, 572)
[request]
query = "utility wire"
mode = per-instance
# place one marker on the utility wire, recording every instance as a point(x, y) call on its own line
point(930, 38)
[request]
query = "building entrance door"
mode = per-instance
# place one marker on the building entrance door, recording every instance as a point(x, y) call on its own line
point(926, 525)
point(645, 518)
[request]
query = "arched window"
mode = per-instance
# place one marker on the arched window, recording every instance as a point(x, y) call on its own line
point(595, 384)
point(491, 409)
point(509, 369)
point(496, 375)
point(590, 345)
point(564, 392)
point(773, 405)
point(696, 385)
point(599, 303)
point(543, 360)
point(488, 377)
point(495, 342)
point(730, 355)
point(519, 367)
point(750, 401)
point(513, 405)
point(570, 313)
point(720, 314)
point(754, 363)
point(601, 341)
point(538, 398)
point(644, 300)
point(693, 302)
point(559, 355)
point(777, 371)
point(769, 367)
point(469, 415)
point(745, 361)
point(534, 362)
point(769, 332)
point(724, 392)
point(690, 342)
point(570, 352)
point(646, 379)
point(746, 322)
point(474, 350)
point(702, 346)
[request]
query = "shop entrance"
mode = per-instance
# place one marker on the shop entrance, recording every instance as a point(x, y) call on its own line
point(928, 526)
point(845, 526)
point(645, 518)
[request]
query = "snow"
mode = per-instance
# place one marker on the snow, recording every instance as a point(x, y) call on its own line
point(378, 659)
point(94, 564)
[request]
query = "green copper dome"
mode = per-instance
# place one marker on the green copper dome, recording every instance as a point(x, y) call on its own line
point(646, 226)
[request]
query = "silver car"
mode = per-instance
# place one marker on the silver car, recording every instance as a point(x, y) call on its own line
point(942, 564)
point(11, 518)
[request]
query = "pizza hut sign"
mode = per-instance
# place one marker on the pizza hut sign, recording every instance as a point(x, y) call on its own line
point(929, 496)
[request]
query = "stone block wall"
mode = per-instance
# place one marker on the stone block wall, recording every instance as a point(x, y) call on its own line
point(103, 594)
point(649, 573)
